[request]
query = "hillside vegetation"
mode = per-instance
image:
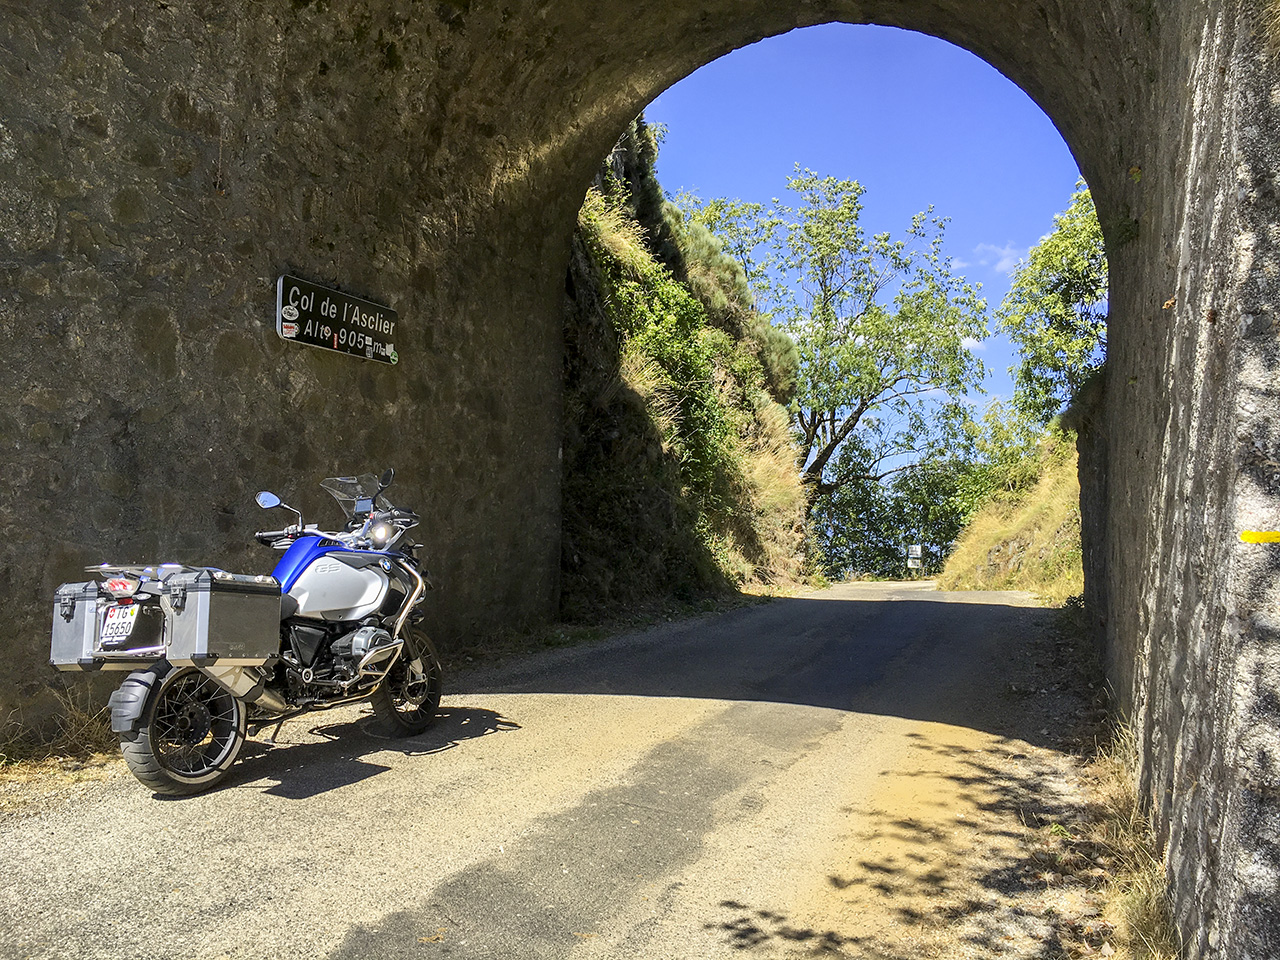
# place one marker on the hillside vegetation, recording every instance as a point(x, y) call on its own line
point(680, 474)
point(1027, 541)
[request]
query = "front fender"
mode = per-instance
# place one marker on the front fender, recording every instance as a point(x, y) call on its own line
point(128, 702)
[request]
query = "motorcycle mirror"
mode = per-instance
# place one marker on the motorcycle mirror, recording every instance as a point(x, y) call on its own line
point(387, 476)
point(266, 499)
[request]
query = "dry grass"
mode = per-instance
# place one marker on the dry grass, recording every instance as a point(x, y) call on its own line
point(620, 235)
point(1032, 544)
point(777, 497)
point(645, 378)
point(78, 744)
point(1111, 850)
point(1271, 24)
point(1136, 893)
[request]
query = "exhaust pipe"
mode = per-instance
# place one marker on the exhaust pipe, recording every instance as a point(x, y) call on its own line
point(247, 685)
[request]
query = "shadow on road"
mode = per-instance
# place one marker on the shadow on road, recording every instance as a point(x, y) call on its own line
point(944, 850)
point(931, 657)
point(307, 769)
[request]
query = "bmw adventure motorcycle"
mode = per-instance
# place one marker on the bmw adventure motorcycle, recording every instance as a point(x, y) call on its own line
point(215, 655)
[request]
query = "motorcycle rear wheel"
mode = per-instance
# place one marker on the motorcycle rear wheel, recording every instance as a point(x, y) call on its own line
point(406, 703)
point(190, 733)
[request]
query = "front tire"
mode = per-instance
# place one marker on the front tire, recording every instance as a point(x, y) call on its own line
point(190, 733)
point(406, 702)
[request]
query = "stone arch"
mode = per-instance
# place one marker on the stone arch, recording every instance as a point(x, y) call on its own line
point(163, 164)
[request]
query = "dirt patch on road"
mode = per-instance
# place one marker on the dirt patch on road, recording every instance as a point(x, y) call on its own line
point(970, 849)
point(948, 863)
point(29, 784)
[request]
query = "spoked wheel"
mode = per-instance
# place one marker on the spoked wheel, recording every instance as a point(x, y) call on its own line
point(407, 701)
point(190, 733)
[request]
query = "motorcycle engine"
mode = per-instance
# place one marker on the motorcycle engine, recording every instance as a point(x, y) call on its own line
point(356, 644)
point(320, 669)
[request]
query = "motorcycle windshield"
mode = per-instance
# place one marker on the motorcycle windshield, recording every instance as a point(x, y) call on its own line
point(356, 494)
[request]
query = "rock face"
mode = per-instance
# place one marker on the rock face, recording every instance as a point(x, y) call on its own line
point(162, 164)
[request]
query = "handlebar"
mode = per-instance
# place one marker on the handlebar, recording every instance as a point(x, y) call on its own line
point(356, 529)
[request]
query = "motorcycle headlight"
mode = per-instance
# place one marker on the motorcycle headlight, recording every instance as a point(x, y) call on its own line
point(381, 534)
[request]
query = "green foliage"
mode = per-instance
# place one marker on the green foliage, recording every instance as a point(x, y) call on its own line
point(883, 331)
point(719, 273)
point(863, 529)
point(1002, 455)
point(679, 474)
point(659, 318)
point(746, 230)
point(1056, 311)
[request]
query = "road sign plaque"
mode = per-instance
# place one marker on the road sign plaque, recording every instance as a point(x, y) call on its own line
point(333, 320)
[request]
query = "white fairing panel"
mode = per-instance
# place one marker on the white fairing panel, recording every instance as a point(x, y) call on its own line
point(331, 590)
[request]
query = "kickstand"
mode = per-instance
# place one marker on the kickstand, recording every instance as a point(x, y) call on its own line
point(276, 732)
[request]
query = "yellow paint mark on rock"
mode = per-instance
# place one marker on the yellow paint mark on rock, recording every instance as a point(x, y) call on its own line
point(1260, 536)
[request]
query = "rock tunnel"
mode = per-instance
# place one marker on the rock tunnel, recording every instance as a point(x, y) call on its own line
point(164, 163)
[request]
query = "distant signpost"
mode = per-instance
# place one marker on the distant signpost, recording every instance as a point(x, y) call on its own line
point(913, 556)
point(333, 320)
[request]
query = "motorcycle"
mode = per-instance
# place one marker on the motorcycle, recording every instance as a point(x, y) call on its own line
point(216, 656)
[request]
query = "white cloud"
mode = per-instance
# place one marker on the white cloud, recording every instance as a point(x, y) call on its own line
point(971, 344)
point(1001, 259)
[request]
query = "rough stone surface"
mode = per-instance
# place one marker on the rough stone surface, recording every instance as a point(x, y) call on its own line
point(160, 164)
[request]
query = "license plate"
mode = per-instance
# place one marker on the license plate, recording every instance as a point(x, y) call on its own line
point(117, 623)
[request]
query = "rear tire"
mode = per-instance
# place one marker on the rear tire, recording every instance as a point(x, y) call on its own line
point(406, 703)
point(190, 733)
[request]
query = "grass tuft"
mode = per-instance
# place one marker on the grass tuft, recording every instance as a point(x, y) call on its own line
point(1271, 24)
point(1118, 836)
point(77, 739)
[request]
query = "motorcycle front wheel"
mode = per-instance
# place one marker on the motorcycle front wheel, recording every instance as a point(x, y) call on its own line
point(190, 733)
point(406, 702)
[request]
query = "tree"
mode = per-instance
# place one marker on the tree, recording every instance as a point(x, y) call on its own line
point(1056, 311)
point(863, 529)
point(743, 229)
point(884, 330)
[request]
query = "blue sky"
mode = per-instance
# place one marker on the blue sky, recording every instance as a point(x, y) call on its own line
point(916, 120)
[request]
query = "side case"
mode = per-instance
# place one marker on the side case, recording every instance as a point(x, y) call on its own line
point(75, 627)
point(225, 618)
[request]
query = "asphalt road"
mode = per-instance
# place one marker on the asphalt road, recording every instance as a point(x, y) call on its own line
point(700, 789)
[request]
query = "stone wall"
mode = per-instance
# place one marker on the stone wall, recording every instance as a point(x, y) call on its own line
point(163, 163)
point(1190, 445)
